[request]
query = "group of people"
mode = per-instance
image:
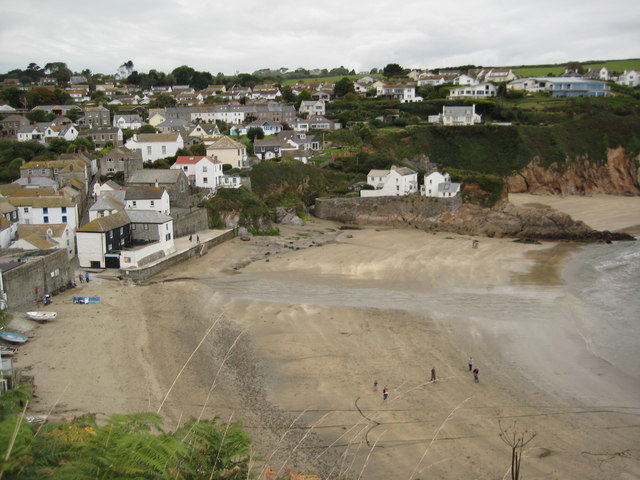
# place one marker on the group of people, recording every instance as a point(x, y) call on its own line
point(83, 278)
point(197, 238)
point(474, 371)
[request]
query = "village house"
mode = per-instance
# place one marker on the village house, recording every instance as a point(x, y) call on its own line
point(404, 93)
point(205, 130)
point(46, 210)
point(66, 132)
point(482, 90)
point(120, 159)
point(96, 117)
point(227, 150)
point(462, 115)
point(100, 241)
point(35, 132)
point(630, 78)
point(439, 185)
point(155, 145)
point(100, 136)
point(11, 125)
point(203, 172)
point(174, 181)
point(129, 121)
point(312, 107)
point(45, 237)
point(398, 181)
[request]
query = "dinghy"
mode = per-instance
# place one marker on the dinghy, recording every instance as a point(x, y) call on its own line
point(42, 316)
point(13, 337)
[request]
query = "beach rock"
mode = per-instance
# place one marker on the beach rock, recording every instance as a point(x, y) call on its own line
point(583, 176)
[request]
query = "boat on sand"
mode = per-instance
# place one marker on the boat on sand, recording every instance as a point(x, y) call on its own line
point(42, 316)
point(12, 337)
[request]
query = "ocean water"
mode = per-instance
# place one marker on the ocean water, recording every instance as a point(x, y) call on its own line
point(604, 282)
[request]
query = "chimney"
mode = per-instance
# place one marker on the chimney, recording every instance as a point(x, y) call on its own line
point(156, 182)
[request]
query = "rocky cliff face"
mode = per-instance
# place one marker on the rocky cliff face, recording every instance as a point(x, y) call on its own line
point(449, 215)
point(619, 175)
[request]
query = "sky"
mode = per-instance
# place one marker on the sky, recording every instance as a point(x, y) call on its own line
point(236, 36)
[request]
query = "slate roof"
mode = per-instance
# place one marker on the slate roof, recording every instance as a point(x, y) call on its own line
point(148, 216)
point(144, 193)
point(109, 201)
point(6, 206)
point(150, 175)
point(42, 202)
point(225, 143)
point(156, 137)
point(106, 224)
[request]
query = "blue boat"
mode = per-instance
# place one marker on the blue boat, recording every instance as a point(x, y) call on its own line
point(13, 337)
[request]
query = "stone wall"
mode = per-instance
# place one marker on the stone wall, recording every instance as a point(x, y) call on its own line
point(392, 211)
point(49, 272)
point(141, 274)
point(190, 221)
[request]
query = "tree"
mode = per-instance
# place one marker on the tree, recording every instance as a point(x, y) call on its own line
point(58, 145)
point(575, 67)
point(183, 75)
point(343, 86)
point(255, 132)
point(287, 94)
point(147, 129)
point(40, 96)
point(39, 116)
point(163, 101)
point(12, 96)
point(393, 70)
point(59, 71)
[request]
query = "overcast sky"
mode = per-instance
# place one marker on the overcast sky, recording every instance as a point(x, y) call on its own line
point(245, 35)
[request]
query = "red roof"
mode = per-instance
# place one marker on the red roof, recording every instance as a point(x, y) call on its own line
point(187, 160)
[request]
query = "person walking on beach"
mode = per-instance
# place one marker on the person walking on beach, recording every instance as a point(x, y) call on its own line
point(81, 278)
point(86, 277)
point(475, 375)
point(375, 385)
point(385, 393)
point(198, 238)
point(470, 363)
point(433, 374)
point(191, 238)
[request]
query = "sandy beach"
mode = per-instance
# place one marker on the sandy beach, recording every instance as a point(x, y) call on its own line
point(288, 334)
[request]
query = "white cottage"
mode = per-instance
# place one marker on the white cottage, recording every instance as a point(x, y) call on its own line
point(439, 185)
point(396, 182)
point(156, 145)
point(203, 172)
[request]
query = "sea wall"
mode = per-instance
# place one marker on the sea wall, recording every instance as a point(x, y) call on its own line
point(143, 273)
point(392, 211)
point(34, 276)
point(190, 221)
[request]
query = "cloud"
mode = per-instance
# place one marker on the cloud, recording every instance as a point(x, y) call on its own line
point(246, 35)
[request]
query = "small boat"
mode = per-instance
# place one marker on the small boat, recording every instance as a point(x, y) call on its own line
point(13, 337)
point(42, 316)
point(7, 351)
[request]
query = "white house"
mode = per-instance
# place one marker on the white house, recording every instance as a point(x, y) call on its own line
point(46, 210)
point(7, 232)
point(439, 185)
point(43, 237)
point(156, 145)
point(147, 198)
point(404, 93)
point(463, 115)
point(313, 107)
point(154, 231)
point(131, 122)
point(482, 90)
point(398, 181)
point(67, 132)
point(465, 80)
point(203, 172)
point(100, 241)
point(630, 78)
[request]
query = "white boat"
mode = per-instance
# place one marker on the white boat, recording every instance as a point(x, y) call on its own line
point(7, 351)
point(42, 316)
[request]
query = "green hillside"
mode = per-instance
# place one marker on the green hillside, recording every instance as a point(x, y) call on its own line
point(558, 69)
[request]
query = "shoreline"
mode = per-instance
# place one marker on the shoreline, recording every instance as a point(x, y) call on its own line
point(313, 328)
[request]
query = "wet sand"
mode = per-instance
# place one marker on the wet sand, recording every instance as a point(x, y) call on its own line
point(290, 332)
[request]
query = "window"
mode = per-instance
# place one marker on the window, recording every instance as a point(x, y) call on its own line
point(204, 180)
point(64, 209)
point(164, 149)
point(26, 209)
point(121, 230)
point(185, 168)
point(152, 203)
point(146, 227)
point(149, 150)
point(134, 203)
point(168, 237)
point(45, 210)
point(46, 219)
point(110, 235)
point(133, 227)
point(204, 169)
point(64, 219)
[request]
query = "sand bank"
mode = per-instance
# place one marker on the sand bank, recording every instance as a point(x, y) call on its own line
point(294, 331)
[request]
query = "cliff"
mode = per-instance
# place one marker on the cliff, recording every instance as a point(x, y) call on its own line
point(450, 215)
point(618, 175)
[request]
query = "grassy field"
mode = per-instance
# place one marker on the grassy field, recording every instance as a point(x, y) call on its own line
point(544, 70)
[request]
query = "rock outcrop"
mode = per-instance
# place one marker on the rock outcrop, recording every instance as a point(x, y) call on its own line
point(450, 215)
point(618, 176)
